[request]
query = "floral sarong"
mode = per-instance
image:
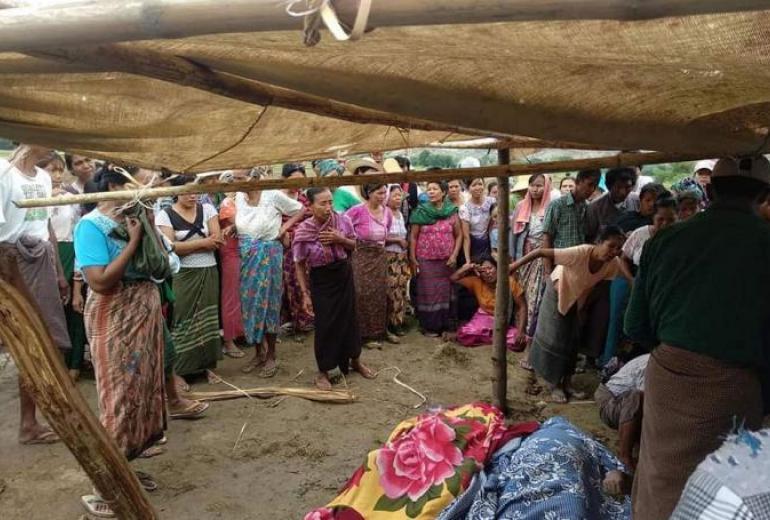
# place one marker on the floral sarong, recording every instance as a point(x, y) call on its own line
point(424, 465)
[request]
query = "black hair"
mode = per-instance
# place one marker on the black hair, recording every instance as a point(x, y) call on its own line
point(490, 186)
point(181, 180)
point(368, 189)
point(110, 176)
point(290, 168)
point(486, 257)
point(567, 178)
point(665, 201)
point(443, 185)
point(471, 180)
point(609, 231)
point(50, 158)
point(312, 193)
point(404, 162)
point(89, 187)
point(461, 181)
point(584, 175)
point(654, 187)
point(620, 174)
point(68, 161)
point(737, 189)
point(533, 178)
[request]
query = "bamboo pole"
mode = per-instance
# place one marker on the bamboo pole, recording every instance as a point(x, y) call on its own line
point(184, 72)
point(518, 142)
point(510, 170)
point(43, 375)
point(111, 21)
point(503, 290)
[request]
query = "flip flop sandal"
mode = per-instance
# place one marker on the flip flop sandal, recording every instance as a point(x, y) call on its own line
point(184, 387)
point(191, 412)
point(47, 437)
point(557, 397)
point(147, 482)
point(163, 441)
point(152, 451)
point(526, 366)
point(251, 366)
point(234, 354)
point(96, 506)
point(267, 373)
point(576, 394)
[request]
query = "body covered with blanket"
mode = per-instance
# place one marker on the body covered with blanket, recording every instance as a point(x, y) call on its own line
point(556, 473)
point(424, 465)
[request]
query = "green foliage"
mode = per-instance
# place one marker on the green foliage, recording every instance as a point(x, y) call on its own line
point(669, 173)
point(428, 159)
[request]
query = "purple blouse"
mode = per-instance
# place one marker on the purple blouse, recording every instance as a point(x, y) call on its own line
point(307, 246)
point(367, 227)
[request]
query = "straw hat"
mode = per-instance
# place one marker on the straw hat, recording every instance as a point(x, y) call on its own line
point(366, 162)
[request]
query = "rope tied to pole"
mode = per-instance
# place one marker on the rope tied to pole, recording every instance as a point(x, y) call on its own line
point(320, 12)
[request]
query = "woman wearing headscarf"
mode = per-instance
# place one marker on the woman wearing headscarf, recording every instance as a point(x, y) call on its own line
point(434, 244)
point(321, 248)
point(294, 308)
point(396, 250)
point(371, 223)
point(258, 220)
point(342, 199)
point(193, 229)
point(527, 232)
point(125, 331)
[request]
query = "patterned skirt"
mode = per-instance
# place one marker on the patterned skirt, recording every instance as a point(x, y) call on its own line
point(230, 311)
point(399, 275)
point(435, 296)
point(293, 307)
point(371, 279)
point(532, 277)
point(261, 287)
point(195, 331)
point(125, 333)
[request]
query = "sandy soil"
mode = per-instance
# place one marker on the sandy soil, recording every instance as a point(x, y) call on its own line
point(294, 454)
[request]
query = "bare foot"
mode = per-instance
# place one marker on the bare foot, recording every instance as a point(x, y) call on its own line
point(74, 374)
point(269, 369)
point(181, 384)
point(213, 379)
point(322, 382)
point(258, 361)
point(558, 396)
point(366, 372)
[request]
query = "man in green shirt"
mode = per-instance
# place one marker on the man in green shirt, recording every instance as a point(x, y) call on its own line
point(703, 295)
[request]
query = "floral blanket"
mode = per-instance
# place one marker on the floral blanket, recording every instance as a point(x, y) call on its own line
point(427, 462)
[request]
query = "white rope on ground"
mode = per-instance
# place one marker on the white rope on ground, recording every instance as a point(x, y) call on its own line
point(401, 383)
point(253, 407)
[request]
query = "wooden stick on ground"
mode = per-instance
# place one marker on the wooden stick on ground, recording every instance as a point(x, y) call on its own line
point(40, 366)
point(622, 159)
point(321, 396)
point(503, 292)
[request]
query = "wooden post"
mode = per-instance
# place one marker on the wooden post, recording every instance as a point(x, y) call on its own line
point(43, 375)
point(503, 296)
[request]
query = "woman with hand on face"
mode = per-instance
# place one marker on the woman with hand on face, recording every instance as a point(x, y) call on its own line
point(434, 244)
point(322, 245)
point(579, 269)
point(193, 229)
point(125, 332)
point(371, 223)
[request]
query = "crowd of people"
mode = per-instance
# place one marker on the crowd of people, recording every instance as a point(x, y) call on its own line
point(194, 278)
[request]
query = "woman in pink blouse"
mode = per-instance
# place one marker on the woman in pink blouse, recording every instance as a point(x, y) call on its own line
point(434, 243)
point(371, 222)
point(321, 247)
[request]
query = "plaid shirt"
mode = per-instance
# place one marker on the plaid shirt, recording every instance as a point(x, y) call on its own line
point(733, 483)
point(565, 222)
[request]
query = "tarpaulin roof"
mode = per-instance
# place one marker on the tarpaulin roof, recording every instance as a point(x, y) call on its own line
point(683, 84)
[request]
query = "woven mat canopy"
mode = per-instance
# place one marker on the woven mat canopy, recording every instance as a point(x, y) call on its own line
point(687, 84)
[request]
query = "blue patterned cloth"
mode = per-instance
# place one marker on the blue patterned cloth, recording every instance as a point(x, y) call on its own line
point(261, 287)
point(554, 474)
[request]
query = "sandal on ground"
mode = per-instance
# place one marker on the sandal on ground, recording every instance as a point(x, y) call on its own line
point(392, 339)
point(252, 365)
point(576, 394)
point(364, 371)
point(152, 451)
point(558, 396)
point(373, 345)
point(268, 372)
point(96, 506)
point(163, 441)
point(147, 482)
point(235, 354)
point(195, 410)
point(431, 334)
point(44, 437)
point(525, 365)
point(323, 383)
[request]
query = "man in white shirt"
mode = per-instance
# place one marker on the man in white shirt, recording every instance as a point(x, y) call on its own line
point(620, 405)
point(29, 262)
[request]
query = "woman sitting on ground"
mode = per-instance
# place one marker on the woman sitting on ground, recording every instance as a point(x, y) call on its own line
point(321, 247)
point(579, 269)
point(481, 279)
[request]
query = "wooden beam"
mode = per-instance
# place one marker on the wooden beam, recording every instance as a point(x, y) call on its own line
point(43, 374)
point(503, 290)
point(181, 71)
point(517, 142)
point(111, 21)
point(511, 170)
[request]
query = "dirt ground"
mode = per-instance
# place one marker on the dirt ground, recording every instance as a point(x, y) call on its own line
point(294, 454)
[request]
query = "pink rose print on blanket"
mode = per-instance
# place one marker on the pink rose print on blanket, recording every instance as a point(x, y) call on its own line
point(322, 513)
point(424, 457)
